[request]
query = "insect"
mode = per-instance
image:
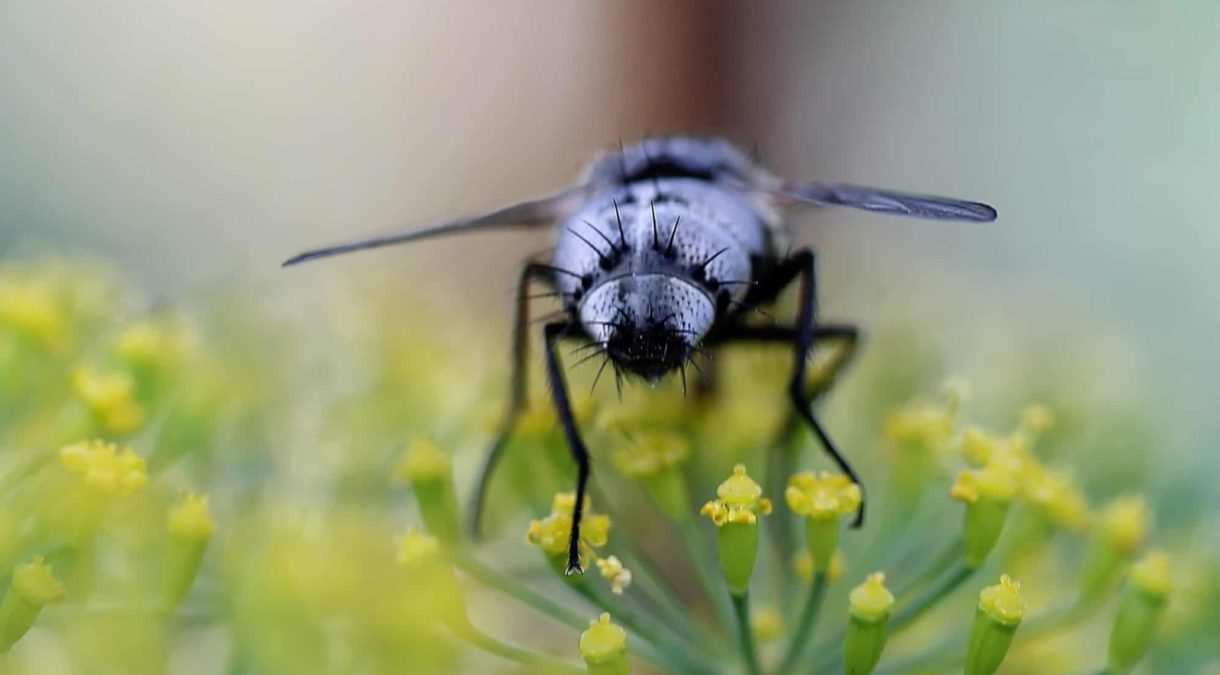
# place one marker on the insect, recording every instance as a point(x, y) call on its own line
point(662, 250)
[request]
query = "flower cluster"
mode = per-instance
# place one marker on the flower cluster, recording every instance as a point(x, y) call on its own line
point(334, 534)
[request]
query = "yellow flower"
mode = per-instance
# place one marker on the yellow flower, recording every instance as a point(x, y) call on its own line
point(996, 618)
point(804, 565)
point(870, 604)
point(1056, 497)
point(871, 600)
point(416, 548)
point(740, 500)
point(149, 342)
point(31, 588)
point(766, 623)
point(1151, 573)
point(104, 468)
point(190, 517)
point(422, 460)
point(1037, 418)
point(36, 584)
point(551, 533)
point(1124, 523)
point(822, 496)
point(651, 454)
point(31, 308)
point(1003, 602)
point(110, 397)
point(604, 647)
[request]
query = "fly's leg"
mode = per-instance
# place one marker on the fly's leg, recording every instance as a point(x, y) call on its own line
point(803, 342)
point(563, 410)
point(516, 389)
point(803, 336)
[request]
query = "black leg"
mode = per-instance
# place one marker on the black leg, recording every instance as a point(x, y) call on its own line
point(559, 396)
point(802, 336)
point(516, 389)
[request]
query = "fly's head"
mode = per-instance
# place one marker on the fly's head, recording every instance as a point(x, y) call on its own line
point(649, 325)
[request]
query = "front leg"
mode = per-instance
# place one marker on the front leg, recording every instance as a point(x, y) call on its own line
point(803, 335)
point(552, 333)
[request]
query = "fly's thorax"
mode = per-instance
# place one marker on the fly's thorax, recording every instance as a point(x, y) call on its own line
point(686, 231)
point(649, 324)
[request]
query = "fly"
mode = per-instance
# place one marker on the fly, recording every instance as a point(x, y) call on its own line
point(662, 250)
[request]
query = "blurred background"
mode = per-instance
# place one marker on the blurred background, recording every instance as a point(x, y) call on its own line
point(201, 143)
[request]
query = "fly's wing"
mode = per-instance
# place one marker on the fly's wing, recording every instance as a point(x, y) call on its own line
point(533, 213)
point(888, 201)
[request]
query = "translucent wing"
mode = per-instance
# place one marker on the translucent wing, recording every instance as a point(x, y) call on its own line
point(887, 201)
point(533, 213)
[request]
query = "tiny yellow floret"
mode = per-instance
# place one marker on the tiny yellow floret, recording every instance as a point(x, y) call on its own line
point(35, 583)
point(822, 496)
point(422, 461)
point(104, 468)
point(110, 397)
point(651, 453)
point(1124, 523)
point(995, 481)
point(603, 641)
point(416, 548)
point(766, 623)
point(1151, 573)
point(31, 308)
point(1003, 602)
point(190, 517)
point(551, 533)
point(1056, 496)
point(1037, 418)
point(871, 600)
point(739, 500)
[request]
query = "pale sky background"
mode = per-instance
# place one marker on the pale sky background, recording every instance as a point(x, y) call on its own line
point(204, 142)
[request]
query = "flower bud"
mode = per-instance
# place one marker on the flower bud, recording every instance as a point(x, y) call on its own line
point(32, 587)
point(868, 625)
point(431, 477)
point(1119, 530)
point(655, 460)
point(1139, 611)
point(766, 623)
point(822, 499)
point(735, 515)
point(110, 398)
point(996, 618)
point(604, 647)
point(987, 493)
point(190, 527)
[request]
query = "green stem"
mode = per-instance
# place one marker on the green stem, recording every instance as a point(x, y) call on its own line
point(948, 583)
point(710, 578)
point(908, 614)
point(645, 648)
point(803, 634)
point(658, 590)
point(543, 604)
point(673, 653)
point(741, 607)
point(943, 563)
point(494, 646)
